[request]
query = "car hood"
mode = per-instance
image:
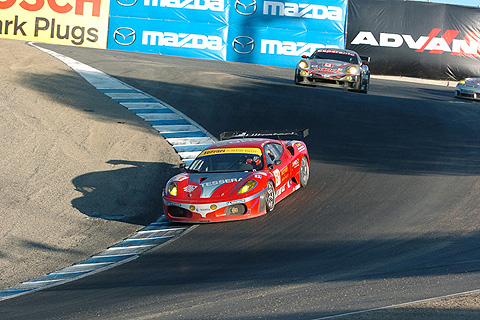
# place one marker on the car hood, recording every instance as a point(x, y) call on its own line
point(329, 66)
point(210, 185)
point(472, 82)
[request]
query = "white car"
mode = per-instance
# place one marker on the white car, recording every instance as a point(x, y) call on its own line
point(468, 88)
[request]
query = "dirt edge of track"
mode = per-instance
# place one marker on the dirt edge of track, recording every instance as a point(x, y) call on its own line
point(79, 172)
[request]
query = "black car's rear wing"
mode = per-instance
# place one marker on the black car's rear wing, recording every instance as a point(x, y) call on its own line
point(263, 134)
point(365, 59)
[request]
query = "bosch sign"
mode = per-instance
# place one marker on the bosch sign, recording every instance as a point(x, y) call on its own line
point(54, 6)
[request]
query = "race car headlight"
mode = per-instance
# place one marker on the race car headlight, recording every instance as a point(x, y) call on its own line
point(173, 189)
point(303, 64)
point(247, 186)
point(352, 70)
point(461, 81)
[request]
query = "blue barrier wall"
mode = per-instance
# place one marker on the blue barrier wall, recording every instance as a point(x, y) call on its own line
point(262, 32)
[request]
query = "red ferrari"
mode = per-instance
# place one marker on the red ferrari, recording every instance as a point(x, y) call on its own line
point(241, 177)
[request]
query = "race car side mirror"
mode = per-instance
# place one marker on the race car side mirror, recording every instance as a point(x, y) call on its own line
point(276, 162)
point(305, 56)
point(182, 166)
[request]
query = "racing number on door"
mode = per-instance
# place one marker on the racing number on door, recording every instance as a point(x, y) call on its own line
point(278, 177)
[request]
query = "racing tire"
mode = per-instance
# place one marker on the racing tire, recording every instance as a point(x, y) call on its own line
point(365, 86)
point(270, 196)
point(365, 89)
point(304, 172)
point(358, 85)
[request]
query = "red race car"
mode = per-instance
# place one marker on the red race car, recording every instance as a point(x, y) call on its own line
point(241, 177)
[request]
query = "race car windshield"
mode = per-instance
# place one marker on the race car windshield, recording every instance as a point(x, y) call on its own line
point(226, 163)
point(335, 56)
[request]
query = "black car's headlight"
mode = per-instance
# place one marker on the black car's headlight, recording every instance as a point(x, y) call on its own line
point(303, 64)
point(352, 70)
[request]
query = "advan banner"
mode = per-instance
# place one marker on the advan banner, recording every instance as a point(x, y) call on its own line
point(417, 39)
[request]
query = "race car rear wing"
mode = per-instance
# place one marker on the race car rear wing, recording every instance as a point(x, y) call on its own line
point(263, 134)
point(365, 59)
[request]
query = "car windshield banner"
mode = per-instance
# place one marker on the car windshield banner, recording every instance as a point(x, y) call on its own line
point(416, 39)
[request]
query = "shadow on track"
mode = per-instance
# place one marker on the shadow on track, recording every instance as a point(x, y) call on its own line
point(122, 194)
point(371, 132)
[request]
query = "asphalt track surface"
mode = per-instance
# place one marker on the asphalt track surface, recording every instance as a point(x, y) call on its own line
point(390, 214)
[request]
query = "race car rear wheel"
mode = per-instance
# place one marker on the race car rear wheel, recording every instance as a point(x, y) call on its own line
point(270, 197)
point(304, 172)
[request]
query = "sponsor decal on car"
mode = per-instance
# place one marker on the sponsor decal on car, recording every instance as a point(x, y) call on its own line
point(325, 70)
point(278, 177)
point(296, 163)
point(219, 182)
point(345, 53)
point(209, 152)
point(190, 188)
point(235, 202)
point(281, 190)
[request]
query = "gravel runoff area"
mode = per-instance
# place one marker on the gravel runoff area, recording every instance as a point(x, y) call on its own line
point(80, 173)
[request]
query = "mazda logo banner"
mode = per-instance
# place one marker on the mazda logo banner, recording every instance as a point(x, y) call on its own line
point(277, 47)
point(174, 38)
point(255, 31)
point(425, 40)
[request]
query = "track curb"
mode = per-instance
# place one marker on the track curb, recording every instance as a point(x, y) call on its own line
point(186, 137)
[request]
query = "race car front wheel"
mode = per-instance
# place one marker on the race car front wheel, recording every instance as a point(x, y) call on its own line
point(304, 172)
point(270, 198)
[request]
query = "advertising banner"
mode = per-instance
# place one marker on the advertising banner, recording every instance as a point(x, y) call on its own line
point(416, 39)
point(193, 40)
point(276, 47)
point(255, 31)
point(277, 33)
point(327, 16)
point(71, 22)
point(205, 11)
